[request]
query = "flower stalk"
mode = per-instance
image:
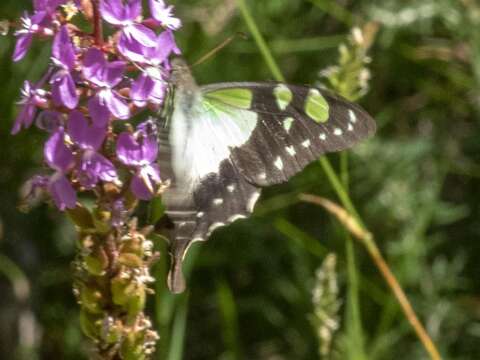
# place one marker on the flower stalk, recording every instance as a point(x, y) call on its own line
point(96, 154)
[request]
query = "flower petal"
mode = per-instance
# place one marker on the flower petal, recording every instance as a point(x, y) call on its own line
point(144, 183)
point(98, 112)
point(131, 49)
point(95, 167)
point(166, 45)
point(140, 33)
point(84, 135)
point(24, 118)
point(57, 155)
point(21, 47)
point(129, 151)
point(116, 105)
point(62, 192)
point(64, 92)
point(62, 49)
point(141, 89)
point(117, 12)
point(163, 14)
point(93, 64)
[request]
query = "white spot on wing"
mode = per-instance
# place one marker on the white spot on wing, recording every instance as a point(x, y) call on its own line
point(217, 201)
point(352, 116)
point(235, 217)
point(306, 143)
point(337, 132)
point(200, 214)
point(278, 163)
point(214, 226)
point(350, 127)
point(323, 136)
point(290, 150)
point(262, 176)
point(231, 188)
point(252, 201)
point(287, 123)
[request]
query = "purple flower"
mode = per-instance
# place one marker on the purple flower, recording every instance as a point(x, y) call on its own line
point(92, 166)
point(134, 36)
point(139, 151)
point(163, 14)
point(30, 25)
point(60, 158)
point(150, 85)
point(31, 98)
point(38, 23)
point(64, 92)
point(106, 75)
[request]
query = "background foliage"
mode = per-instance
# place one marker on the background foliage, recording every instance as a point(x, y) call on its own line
point(250, 287)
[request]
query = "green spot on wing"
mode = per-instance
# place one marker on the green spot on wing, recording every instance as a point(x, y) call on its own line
point(283, 95)
point(316, 106)
point(237, 97)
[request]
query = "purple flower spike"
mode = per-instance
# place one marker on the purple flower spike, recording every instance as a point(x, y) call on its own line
point(139, 151)
point(106, 76)
point(134, 37)
point(31, 98)
point(84, 135)
point(164, 14)
point(64, 92)
point(58, 156)
point(62, 192)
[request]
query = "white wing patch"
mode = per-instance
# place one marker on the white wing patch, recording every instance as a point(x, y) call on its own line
point(201, 138)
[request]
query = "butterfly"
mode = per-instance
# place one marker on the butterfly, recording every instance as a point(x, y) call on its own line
point(222, 143)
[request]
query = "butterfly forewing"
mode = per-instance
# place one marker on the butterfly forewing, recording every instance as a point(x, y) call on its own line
point(296, 124)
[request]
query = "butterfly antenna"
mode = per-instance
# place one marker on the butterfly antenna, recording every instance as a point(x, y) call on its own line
point(215, 50)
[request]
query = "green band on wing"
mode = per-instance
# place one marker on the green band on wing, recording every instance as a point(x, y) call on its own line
point(316, 106)
point(240, 98)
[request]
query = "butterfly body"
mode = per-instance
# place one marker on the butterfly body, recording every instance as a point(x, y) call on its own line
point(224, 142)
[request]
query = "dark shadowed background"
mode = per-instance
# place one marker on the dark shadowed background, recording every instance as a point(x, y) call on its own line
point(416, 185)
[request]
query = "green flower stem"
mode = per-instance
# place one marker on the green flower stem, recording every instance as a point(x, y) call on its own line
point(368, 241)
